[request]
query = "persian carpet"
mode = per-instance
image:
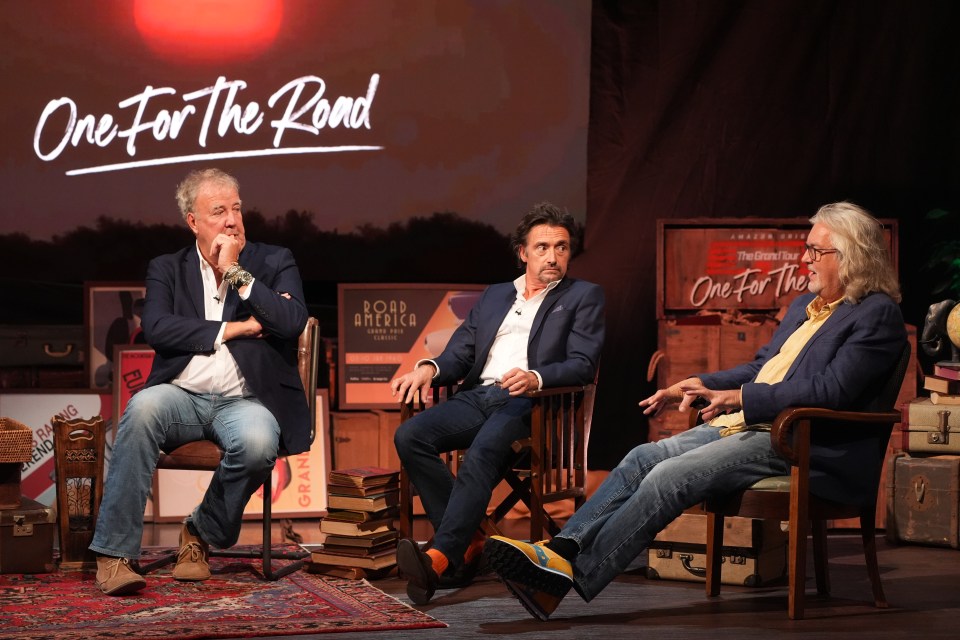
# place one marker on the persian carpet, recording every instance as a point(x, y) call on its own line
point(235, 603)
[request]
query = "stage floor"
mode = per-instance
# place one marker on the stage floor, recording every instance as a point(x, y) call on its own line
point(921, 584)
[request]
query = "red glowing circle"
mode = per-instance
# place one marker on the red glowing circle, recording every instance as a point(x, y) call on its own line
point(208, 30)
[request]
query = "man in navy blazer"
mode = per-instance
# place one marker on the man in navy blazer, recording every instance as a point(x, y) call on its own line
point(541, 330)
point(835, 348)
point(224, 316)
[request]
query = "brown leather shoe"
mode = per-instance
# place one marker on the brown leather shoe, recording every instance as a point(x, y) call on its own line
point(192, 562)
point(115, 576)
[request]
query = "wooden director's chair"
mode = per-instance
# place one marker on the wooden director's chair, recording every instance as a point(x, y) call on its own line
point(549, 466)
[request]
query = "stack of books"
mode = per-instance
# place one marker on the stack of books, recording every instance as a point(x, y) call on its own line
point(944, 383)
point(357, 537)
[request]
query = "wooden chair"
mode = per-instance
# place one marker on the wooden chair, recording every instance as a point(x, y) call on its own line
point(789, 498)
point(549, 466)
point(204, 455)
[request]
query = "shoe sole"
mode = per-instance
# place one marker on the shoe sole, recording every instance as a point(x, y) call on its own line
point(133, 586)
point(410, 565)
point(191, 578)
point(531, 607)
point(511, 563)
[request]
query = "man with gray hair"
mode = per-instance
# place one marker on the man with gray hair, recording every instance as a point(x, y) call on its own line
point(833, 349)
point(224, 316)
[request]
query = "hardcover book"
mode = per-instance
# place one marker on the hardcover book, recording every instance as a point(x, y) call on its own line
point(947, 369)
point(385, 559)
point(941, 385)
point(363, 477)
point(376, 502)
point(337, 527)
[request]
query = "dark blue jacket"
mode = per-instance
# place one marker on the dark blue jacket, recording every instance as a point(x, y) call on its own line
point(174, 325)
point(565, 339)
point(842, 367)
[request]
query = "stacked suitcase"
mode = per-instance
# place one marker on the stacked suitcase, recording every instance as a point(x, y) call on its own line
point(923, 482)
point(754, 550)
point(26, 526)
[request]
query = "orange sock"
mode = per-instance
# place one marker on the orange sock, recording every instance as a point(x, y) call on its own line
point(475, 548)
point(438, 560)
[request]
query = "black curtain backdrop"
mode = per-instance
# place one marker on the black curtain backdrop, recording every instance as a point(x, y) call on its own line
point(706, 108)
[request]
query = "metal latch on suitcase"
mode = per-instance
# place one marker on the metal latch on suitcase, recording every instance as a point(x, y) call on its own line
point(942, 434)
point(21, 528)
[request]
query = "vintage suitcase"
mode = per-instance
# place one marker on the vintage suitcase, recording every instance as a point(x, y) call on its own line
point(754, 551)
point(923, 500)
point(26, 538)
point(930, 428)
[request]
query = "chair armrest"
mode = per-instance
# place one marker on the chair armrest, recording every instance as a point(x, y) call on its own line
point(557, 391)
point(796, 422)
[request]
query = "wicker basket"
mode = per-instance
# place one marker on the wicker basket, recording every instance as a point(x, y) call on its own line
point(16, 441)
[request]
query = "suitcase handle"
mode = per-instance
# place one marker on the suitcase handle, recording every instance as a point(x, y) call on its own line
point(57, 354)
point(700, 572)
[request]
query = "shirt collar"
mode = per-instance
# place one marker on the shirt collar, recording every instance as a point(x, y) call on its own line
point(818, 306)
point(520, 285)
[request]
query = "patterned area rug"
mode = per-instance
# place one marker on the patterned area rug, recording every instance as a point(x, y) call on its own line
point(234, 603)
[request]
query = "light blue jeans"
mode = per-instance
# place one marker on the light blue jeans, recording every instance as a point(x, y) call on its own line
point(164, 417)
point(653, 484)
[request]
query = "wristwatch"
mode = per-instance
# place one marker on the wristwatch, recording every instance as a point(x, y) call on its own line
point(236, 276)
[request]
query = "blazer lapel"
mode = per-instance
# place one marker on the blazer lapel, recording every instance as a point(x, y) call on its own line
point(835, 318)
point(192, 281)
point(490, 323)
point(549, 302)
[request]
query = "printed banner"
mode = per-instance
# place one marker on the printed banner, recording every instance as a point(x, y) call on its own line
point(386, 328)
point(748, 264)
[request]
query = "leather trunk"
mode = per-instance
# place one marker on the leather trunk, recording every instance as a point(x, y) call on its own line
point(26, 538)
point(923, 500)
point(754, 551)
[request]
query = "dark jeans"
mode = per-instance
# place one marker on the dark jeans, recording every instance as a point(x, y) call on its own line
point(483, 420)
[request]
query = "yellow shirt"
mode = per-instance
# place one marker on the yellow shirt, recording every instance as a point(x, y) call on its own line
point(776, 368)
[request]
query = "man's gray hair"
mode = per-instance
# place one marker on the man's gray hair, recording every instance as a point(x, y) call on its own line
point(187, 189)
point(865, 263)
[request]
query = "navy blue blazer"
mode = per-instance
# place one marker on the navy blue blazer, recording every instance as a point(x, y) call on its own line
point(565, 339)
point(842, 367)
point(174, 325)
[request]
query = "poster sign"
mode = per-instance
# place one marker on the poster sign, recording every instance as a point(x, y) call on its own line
point(111, 314)
point(744, 263)
point(386, 328)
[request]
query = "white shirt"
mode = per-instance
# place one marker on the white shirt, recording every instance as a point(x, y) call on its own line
point(216, 372)
point(509, 347)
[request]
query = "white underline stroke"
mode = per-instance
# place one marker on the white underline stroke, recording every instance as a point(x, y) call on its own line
point(218, 156)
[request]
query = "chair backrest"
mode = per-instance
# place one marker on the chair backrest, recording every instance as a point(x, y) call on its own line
point(308, 363)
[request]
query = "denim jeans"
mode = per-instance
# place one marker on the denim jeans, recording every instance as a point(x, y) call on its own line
point(483, 420)
point(164, 417)
point(653, 484)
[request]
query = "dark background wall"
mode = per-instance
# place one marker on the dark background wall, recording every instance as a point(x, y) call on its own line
point(732, 109)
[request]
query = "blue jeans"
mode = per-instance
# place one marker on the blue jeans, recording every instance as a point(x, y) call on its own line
point(164, 417)
point(653, 484)
point(483, 420)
